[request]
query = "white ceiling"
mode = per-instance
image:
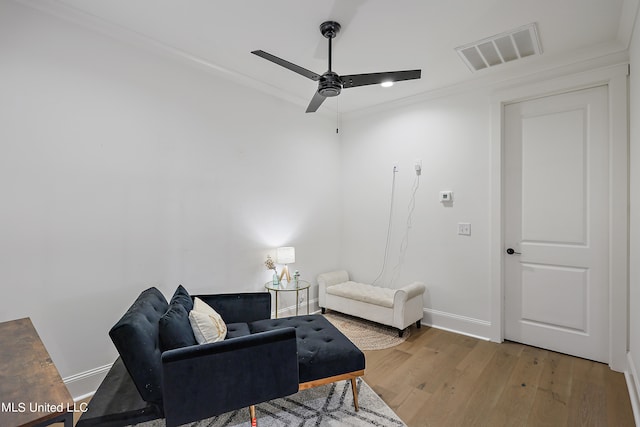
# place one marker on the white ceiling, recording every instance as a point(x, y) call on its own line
point(377, 35)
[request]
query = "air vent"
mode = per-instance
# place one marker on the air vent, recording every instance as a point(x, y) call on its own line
point(501, 48)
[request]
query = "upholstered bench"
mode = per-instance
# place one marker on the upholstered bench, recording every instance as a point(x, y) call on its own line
point(325, 355)
point(398, 308)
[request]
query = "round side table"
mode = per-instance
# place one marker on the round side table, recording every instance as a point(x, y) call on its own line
point(289, 287)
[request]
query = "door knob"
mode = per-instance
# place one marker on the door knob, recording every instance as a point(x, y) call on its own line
point(510, 251)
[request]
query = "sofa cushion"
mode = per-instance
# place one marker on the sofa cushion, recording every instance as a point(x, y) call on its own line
point(206, 323)
point(136, 337)
point(235, 330)
point(175, 328)
point(363, 292)
point(323, 351)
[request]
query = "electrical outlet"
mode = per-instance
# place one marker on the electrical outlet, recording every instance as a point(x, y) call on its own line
point(464, 229)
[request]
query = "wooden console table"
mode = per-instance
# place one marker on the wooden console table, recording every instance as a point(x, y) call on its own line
point(31, 390)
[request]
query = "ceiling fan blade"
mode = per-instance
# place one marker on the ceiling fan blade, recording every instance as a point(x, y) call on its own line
point(355, 80)
point(316, 101)
point(286, 64)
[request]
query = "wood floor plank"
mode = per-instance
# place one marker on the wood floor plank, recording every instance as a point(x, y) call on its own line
point(412, 403)
point(519, 392)
point(489, 387)
point(550, 406)
point(587, 405)
point(417, 368)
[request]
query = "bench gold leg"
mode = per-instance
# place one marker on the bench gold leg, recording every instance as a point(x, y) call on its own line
point(354, 389)
point(352, 376)
point(252, 412)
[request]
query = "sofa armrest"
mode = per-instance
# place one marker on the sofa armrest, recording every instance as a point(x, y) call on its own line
point(407, 292)
point(329, 279)
point(240, 307)
point(201, 381)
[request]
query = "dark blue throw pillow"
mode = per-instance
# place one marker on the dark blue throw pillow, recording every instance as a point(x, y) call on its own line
point(175, 329)
point(182, 297)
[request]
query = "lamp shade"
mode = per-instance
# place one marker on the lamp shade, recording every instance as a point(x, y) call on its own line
point(286, 255)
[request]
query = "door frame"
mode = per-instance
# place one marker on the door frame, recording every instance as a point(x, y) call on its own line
point(616, 79)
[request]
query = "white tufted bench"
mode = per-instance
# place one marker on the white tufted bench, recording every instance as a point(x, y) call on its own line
point(394, 307)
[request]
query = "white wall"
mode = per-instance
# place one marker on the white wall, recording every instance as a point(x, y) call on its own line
point(451, 136)
point(634, 191)
point(121, 170)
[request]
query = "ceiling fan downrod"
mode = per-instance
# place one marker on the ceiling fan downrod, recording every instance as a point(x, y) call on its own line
point(330, 29)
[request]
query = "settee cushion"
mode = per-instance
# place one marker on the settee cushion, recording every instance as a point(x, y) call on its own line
point(137, 339)
point(362, 292)
point(235, 330)
point(317, 359)
point(175, 329)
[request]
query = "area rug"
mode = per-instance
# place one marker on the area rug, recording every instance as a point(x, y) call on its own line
point(327, 405)
point(367, 335)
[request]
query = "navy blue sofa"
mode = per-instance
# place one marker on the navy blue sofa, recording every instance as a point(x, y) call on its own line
point(163, 373)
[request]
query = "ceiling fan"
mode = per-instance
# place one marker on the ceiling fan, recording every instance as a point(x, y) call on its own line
point(330, 83)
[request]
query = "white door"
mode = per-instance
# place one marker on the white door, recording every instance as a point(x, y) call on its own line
point(556, 189)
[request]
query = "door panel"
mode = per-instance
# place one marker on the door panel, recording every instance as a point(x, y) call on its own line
point(553, 174)
point(566, 284)
point(556, 216)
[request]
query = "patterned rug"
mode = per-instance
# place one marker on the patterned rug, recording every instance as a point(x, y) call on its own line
point(364, 334)
point(327, 405)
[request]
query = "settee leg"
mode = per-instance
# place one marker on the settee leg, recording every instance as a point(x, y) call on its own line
point(323, 310)
point(418, 324)
point(400, 333)
point(354, 390)
point(252, 412)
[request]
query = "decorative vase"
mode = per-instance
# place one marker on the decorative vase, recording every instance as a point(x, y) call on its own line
point(276, 281)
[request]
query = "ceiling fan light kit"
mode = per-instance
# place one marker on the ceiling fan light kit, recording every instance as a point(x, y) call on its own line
point(330, 83)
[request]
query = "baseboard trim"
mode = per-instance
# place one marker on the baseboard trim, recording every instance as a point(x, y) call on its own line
point(469, 326)
point(85, 384)
point(633, 384)
point(291, 310)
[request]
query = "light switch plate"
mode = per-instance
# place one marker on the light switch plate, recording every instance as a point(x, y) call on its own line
point(464, 229)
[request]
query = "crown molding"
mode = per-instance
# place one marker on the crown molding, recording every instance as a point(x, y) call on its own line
point(149, 44)
point(528, 72)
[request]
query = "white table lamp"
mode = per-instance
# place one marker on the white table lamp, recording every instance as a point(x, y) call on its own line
point(285, 255)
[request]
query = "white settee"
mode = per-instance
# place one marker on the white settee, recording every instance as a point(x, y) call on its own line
point(394, 307)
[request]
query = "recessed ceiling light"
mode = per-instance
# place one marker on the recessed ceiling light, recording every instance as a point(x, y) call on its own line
point(386, 84)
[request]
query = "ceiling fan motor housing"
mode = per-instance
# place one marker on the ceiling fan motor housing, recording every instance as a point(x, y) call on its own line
point(329, 84)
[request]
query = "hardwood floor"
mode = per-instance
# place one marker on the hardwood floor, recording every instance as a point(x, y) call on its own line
point(439, 378)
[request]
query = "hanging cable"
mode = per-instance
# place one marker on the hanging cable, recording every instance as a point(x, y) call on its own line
point(337, 116)
point(405, 239)
point(386, 245)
